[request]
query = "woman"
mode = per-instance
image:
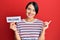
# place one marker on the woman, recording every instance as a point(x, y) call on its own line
point(30, 28)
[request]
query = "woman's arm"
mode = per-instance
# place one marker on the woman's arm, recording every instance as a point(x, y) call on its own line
point(17, 36)
point(42, 36)
point(13, 27)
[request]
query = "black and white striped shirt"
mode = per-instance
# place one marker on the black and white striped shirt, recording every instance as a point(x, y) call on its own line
point(30, 30)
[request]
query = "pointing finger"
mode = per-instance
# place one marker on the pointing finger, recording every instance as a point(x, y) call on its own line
point(50, 21)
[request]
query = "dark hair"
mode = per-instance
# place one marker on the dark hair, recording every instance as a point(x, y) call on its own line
point(35, 6)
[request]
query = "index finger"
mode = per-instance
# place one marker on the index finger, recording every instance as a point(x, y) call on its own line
point(50, 21)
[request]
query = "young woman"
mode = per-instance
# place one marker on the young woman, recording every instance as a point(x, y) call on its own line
point(30, 28)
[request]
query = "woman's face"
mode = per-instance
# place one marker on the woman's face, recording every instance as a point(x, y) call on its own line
point(30, 11)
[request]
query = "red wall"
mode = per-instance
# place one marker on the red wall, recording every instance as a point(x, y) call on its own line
point(48, 10)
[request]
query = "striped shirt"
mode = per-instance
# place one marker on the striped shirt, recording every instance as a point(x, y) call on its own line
point(29, 30)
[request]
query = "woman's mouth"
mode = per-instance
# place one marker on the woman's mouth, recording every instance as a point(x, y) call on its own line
point(29, 14)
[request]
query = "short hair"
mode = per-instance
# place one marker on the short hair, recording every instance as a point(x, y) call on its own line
point(35, 6)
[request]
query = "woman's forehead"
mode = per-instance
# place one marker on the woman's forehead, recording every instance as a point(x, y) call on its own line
point(31, 6)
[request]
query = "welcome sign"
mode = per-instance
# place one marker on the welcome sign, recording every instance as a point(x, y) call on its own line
point(13, 19)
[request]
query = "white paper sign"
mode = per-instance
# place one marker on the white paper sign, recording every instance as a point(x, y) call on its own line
point(13, 19)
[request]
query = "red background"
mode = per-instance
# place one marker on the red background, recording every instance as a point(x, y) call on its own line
point(48, 10)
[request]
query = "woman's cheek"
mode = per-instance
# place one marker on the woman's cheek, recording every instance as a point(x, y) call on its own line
point(28, 11)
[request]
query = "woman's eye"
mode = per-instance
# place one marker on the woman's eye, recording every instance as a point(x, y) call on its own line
point(33, 10)
point(28, 8)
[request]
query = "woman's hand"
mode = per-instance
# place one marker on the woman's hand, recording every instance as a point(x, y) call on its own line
point(13, 26)
point(46, 24)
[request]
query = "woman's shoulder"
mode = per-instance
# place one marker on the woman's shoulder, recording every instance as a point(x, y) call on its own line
point(36, 21)
point(20, 21)
point(39, 20)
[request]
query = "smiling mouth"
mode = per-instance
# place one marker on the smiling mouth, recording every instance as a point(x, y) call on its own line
point(29, 14)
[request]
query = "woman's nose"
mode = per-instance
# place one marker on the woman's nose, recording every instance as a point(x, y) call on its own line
point(30, 11)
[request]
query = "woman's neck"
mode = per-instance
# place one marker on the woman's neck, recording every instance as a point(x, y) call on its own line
point(29, 19)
